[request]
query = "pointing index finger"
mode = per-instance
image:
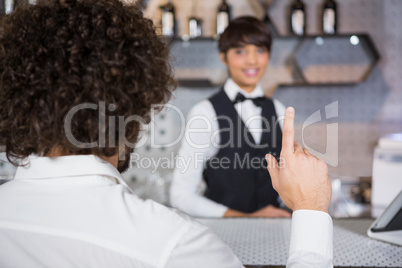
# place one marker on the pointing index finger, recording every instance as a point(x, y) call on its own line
point(288, 136)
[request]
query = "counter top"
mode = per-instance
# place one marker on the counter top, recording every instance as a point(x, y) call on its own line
point(265, 242)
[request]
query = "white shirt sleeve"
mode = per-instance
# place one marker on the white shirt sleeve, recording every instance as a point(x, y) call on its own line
point(196, 148)
point(200, 248)
point(311, 240)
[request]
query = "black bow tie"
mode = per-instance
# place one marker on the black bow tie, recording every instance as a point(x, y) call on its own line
point(257, 101)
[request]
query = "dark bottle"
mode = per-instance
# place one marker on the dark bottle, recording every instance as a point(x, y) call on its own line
point(222, 17)
point(168, 19)
point(298, 18)
point(329, 17)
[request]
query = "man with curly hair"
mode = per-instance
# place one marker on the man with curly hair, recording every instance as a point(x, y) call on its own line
point(65, 67)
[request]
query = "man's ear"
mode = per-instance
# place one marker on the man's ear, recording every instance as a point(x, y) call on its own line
point(222, 56)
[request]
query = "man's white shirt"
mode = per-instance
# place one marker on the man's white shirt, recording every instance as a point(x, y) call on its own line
point(198, 147)
point(76, 211)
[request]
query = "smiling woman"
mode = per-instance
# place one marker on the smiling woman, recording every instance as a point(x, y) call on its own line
point(247, 126)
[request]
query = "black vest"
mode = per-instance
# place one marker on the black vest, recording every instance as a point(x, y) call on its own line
point(237, 176)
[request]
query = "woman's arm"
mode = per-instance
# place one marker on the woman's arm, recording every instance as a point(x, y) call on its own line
point(195, 149)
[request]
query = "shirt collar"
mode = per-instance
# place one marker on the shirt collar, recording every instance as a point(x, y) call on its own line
point(38, 167)
point(231, 89)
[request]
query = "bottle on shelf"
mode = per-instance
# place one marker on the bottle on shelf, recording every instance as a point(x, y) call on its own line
point(194, 27)
point(329, 17)
point(9, 6)
point(222, 17)
point(194, 23)
point(168, 19)
point(298, 18)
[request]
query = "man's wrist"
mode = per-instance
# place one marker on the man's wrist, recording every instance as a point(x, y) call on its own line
point(314, 209)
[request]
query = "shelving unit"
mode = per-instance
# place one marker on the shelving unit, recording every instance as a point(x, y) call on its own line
point(317, 60)
point(311, 60)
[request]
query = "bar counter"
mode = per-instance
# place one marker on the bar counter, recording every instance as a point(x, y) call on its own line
point(265, 242)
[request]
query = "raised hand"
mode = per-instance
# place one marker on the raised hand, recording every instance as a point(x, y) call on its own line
point(302, 179)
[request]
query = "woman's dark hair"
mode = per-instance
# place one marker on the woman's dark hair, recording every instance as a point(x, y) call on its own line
point(245, 30)
point(59, 54)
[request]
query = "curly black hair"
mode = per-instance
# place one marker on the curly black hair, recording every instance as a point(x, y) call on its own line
point(58, 54)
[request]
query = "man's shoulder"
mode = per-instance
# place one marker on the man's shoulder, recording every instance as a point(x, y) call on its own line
point(158, 227)
point(157, 213)
point(108, 216)
point(150, 230)
point(149, 214)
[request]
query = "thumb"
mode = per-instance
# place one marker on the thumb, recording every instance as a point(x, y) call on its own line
point(272, 168)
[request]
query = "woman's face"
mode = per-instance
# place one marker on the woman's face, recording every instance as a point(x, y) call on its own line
point(246, 65)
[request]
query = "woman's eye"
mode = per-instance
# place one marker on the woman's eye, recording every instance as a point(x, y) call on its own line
point(239, 51)
point(261, 50)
